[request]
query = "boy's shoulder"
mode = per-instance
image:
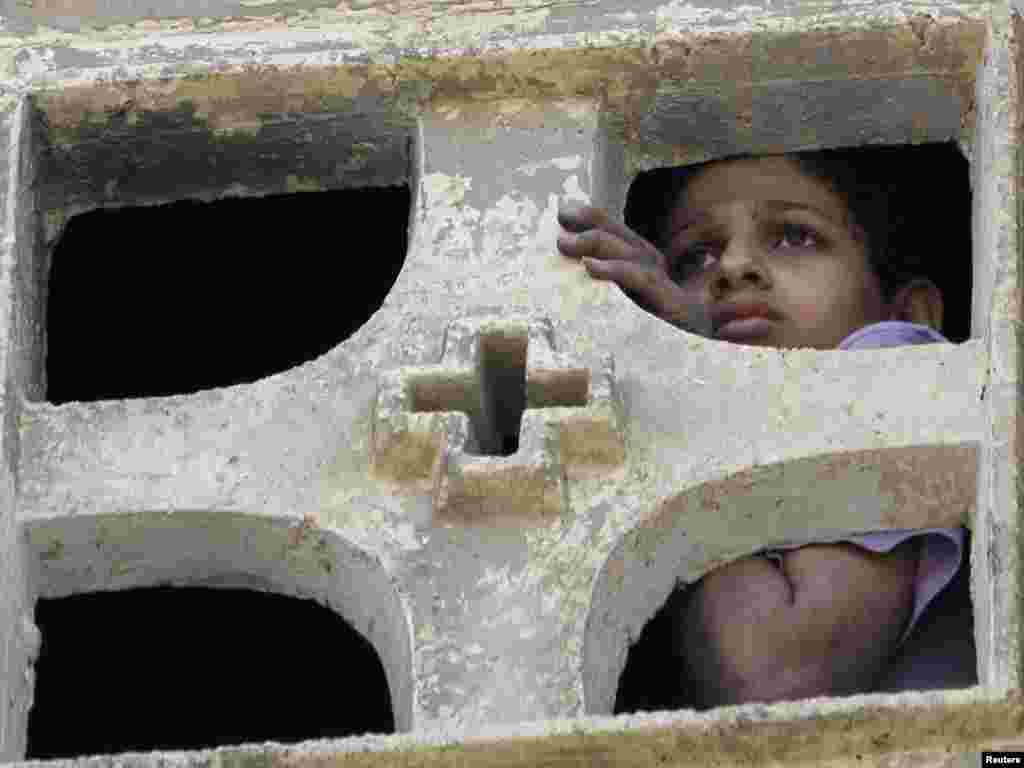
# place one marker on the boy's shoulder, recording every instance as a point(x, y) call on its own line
point(891, 333)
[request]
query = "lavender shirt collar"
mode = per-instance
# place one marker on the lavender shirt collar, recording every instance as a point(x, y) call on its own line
point(891, 333)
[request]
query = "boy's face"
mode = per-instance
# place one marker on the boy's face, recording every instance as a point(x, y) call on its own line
point(759, 238)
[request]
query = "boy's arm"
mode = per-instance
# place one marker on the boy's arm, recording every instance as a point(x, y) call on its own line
point(825, 622)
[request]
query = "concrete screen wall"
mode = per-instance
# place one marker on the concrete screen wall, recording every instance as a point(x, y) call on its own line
point(502, 592)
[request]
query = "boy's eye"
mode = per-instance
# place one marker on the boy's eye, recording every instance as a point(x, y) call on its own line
point(797, 236)
point(693, 259)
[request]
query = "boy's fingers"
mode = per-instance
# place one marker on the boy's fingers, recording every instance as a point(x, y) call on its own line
point(576, 217)
point(579, 218)
point(654, 292)
point(646, 284)
point(636, 279)
point(573, 217)
point(598, 244)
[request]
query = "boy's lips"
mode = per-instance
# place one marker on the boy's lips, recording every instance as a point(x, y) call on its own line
point(742, 321)
point(744, 329)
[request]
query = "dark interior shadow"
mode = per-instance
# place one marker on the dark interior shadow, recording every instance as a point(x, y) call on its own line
point(189, 668)
point(172, 299)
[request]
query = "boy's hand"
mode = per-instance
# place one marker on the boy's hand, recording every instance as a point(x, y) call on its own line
point(611, 251)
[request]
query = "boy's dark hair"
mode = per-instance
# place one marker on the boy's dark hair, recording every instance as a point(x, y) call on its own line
point(861, 178)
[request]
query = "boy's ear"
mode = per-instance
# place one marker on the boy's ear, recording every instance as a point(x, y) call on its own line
point(919, 301)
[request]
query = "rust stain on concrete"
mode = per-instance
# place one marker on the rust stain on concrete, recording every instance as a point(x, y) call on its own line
point(623, 79)
point(930, 487)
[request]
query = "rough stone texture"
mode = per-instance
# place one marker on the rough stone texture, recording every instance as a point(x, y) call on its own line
point(935, 730)
point(354, 479)
point(21, 288)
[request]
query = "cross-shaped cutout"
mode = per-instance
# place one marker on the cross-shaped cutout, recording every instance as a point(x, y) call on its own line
point(497, 398)
point(496, 426)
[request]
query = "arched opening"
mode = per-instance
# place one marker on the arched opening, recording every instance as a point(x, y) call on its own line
point(192, 668)
point(172, 299)
point(639, 618)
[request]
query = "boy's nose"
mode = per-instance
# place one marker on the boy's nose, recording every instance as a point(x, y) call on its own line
point(741, 259)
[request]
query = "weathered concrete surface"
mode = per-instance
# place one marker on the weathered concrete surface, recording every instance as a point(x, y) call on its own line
point(21, 287)
point(494, 115)
point(996, 180)
point(935, 730)
point(280, 102)
point(520, 622)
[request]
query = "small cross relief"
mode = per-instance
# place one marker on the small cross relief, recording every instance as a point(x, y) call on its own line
point(499, 426)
